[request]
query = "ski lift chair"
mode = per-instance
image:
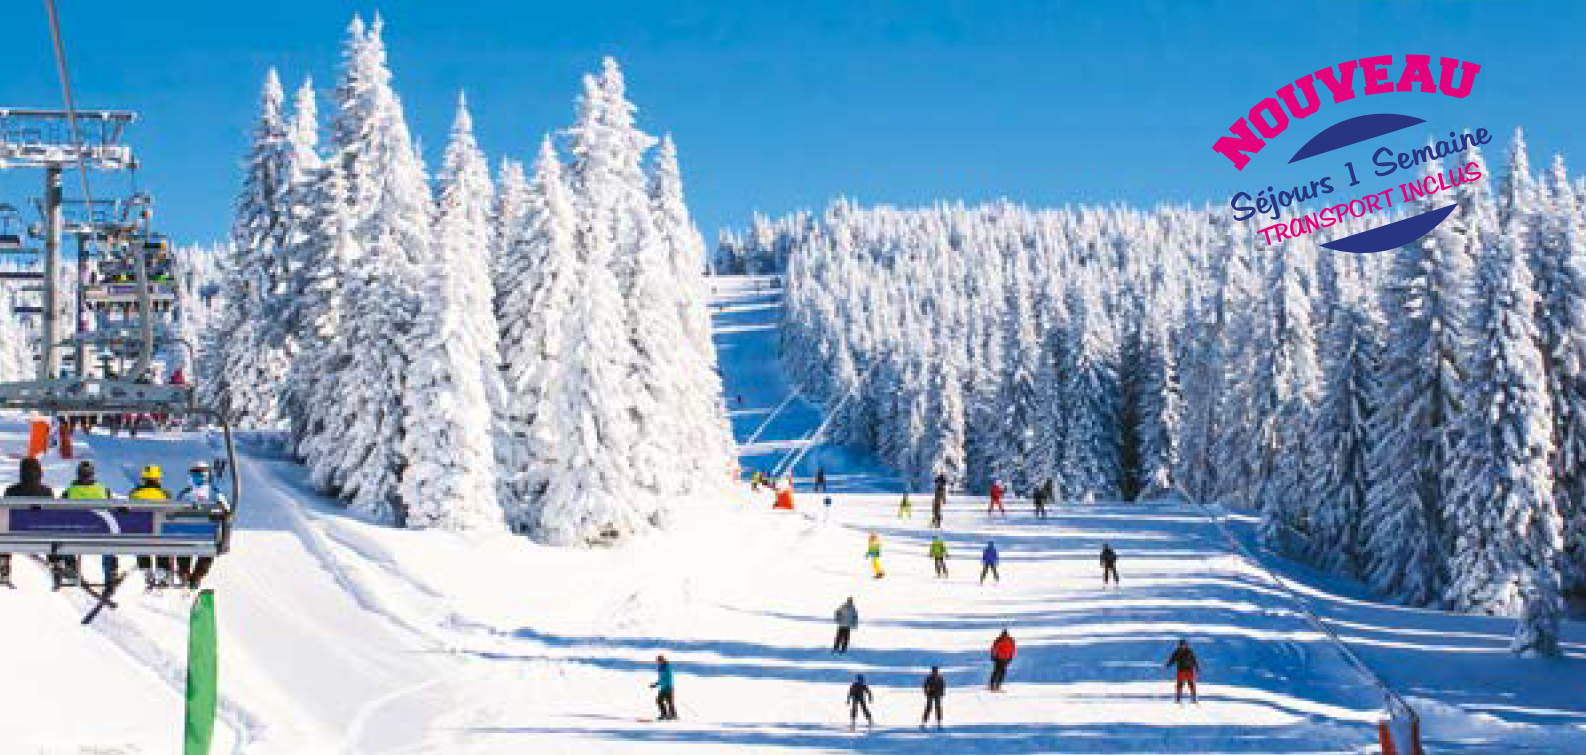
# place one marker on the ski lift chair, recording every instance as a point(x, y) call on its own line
point(115, 526)
point(11, 226)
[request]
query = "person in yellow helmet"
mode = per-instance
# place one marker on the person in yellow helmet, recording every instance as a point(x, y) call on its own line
point(156, 571)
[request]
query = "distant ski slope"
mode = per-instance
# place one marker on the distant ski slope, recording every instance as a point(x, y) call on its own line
point(342, 636)
point(747, 314)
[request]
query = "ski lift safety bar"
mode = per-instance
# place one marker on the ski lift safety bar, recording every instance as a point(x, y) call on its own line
point(75, 397)
point(91, 396)
point(73, 527)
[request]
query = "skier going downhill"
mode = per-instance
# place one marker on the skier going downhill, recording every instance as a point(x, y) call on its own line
point(935, 689)
point(820, 479)
point(988, 562)
point(847, 617)
point(665, 698)
point(1109, 565)
point(996, 499)
point(1002, 651)
point(1183, 660)
point(905, 509)
point(859, 699)
point(873, 552)
point(939, 556)
point(1041, 497)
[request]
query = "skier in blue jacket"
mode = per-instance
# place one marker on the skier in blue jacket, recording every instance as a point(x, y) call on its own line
point(663, 686)
point(988, 562)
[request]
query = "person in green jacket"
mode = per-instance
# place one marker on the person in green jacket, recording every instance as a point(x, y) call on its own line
point(939, 556)
point(905, 509)
point(85, 487)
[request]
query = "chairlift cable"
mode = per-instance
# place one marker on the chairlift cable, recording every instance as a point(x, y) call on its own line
point(71, 113)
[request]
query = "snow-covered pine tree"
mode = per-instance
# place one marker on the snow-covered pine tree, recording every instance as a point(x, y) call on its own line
point(592, 491)
point(263, 217)
point(610, 184)
point(449, 480)
point(942, 447)
point(1088, 464)
point(709, 443)
point(1225, 433)
point(302, 136)
point(1049, 429)
point(1422, 385)
point(539, 286)
point(1559, 258)
point(358, 396)
point(590, 496)
point(1500, 507)
point(327, 255)
point(1011, 439)
point(1341, 437)
point(506, 219)
point(1287, 380)
point(243, 366)
point(1157, 407)
point(1536, 634)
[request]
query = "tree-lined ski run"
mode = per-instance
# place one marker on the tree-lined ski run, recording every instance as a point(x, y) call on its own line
point(1410, 418)
point(342, 634)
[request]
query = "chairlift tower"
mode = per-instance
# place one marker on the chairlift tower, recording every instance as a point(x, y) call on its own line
point(44, 139)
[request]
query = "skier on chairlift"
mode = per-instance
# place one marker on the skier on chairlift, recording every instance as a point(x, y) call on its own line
point(30, 484)
point(157, 571)
point(201, 491)
point(84, 487)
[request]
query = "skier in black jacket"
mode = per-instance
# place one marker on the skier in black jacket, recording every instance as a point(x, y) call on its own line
point(859, 698)
point(935, 689)
point(30, 484)
point(1109, 565)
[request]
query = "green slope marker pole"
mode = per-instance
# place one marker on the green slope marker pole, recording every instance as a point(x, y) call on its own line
point(201, 672)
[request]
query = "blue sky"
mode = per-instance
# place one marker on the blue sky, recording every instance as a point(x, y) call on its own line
point(778, 106)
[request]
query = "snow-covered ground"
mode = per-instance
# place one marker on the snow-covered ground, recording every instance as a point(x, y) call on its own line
point(341, 636)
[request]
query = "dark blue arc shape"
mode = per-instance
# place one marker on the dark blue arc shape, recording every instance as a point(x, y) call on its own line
point(1392, 235)
point(1353, 131)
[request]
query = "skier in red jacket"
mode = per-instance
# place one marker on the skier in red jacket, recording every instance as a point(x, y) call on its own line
point(1002, 652)
point(996, 499)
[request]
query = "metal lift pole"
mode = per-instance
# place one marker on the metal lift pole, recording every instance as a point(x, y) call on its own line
point(82, 316)
point(52, 260)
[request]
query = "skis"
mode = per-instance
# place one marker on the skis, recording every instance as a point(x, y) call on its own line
point(103, 597)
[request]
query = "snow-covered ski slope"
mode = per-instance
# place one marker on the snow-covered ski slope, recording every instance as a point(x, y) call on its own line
point(771, 421)
point(339, 636)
